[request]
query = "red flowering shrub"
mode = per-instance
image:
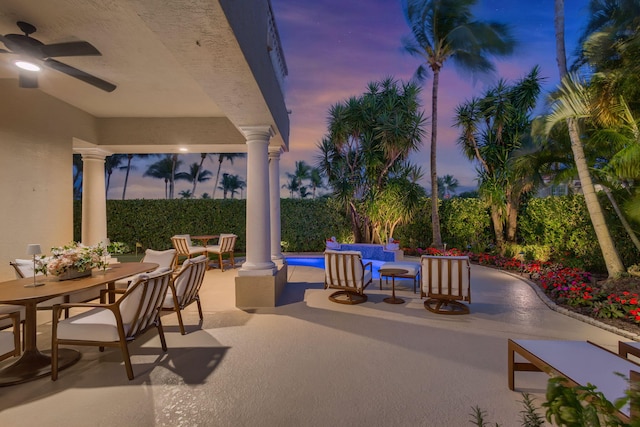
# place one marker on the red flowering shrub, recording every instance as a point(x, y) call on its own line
point(569, 286)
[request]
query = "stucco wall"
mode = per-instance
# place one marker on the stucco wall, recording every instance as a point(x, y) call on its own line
point(36, 194)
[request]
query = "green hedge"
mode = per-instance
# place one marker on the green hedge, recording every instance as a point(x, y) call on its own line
point(558, 227)
point(563, 224)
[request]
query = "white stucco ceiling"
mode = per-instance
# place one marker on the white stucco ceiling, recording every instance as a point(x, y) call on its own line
point(176, 58)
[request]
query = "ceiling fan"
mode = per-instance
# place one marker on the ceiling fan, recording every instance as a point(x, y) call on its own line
point(32, 52)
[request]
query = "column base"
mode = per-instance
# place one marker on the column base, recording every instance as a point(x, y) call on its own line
point(260, 290)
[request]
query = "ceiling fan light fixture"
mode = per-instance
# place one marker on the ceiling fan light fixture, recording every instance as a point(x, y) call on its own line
point(29, 66)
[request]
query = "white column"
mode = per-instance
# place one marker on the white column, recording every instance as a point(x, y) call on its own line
point(94, 197)
point(258, 262)
point(274, 185)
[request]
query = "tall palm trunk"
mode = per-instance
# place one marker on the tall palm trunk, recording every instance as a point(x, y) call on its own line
point(498, 227)
point(195, 178)
point(623, 219)
point(609, 252)
point(172, 179)
point(435, 216)
point(106, 190)
point(213, 195)
point(126, 176)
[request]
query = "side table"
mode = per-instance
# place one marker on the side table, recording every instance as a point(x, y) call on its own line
point(393, 272)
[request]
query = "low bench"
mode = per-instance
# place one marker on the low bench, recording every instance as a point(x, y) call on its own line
point(580, 362)
point(413, 270)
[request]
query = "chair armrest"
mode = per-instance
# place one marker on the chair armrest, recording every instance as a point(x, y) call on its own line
point(14, 316)
point(370, 264)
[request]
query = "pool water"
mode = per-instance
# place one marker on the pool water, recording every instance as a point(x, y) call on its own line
point(318, 262)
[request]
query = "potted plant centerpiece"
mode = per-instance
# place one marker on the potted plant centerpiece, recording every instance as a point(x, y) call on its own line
point(72, 261)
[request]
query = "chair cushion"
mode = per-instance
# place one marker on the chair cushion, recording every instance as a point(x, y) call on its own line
point(130, 305)
point(186, 236)
point(413, 268)
point(162, 258)
point(213, 249)
point(98, 324)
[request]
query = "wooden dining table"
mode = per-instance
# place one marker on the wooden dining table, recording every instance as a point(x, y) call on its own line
point(204, 238)
point(35, 363)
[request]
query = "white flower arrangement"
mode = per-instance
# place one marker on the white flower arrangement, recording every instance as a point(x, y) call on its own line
point(74, 256)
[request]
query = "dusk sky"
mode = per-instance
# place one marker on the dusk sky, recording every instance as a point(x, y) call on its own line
point(333, 48)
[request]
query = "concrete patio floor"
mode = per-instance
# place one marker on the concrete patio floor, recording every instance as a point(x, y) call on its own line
point(309, 362)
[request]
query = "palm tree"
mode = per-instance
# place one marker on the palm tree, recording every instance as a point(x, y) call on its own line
point(368, 137)
point(315, 180)
point(185, 194)
point(221, 158)
point(231, 184)
point(445, 29)
point(236, 184)
point(446, 185)
point(195, 175)
point(292, 185)
point(110, 163)
point(164, 169)
point(494, 128)
point(301, 173)
point(129, 167)
point(609, 252)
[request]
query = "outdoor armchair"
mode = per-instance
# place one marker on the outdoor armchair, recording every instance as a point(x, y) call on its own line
point(226, 245)
point(446, 280)
point(345, 270)
point(164, 259)
point(184, 288)
point(10, 339)
point(116, 324)
point(184, 247)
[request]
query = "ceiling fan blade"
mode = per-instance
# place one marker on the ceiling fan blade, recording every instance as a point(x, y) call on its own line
point(28, 79)
point(69, 49)
point(81, 75)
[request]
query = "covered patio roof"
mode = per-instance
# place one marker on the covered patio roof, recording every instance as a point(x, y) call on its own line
point(188, 73)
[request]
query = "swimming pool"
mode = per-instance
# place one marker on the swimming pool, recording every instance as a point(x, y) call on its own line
point(318, 262)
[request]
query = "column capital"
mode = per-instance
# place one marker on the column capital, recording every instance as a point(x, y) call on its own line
point(92, 153)
point(264, 132)
point(274, 152)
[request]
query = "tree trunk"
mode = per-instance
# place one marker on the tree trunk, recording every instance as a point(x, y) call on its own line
point(213, 195)
point(355, 224)
point(435, 217)
point(513, 203)
point(498, 228)
point(609, 252)
point(195, 179)
point(512, 222)
point(126, 176)
point(623, 219)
